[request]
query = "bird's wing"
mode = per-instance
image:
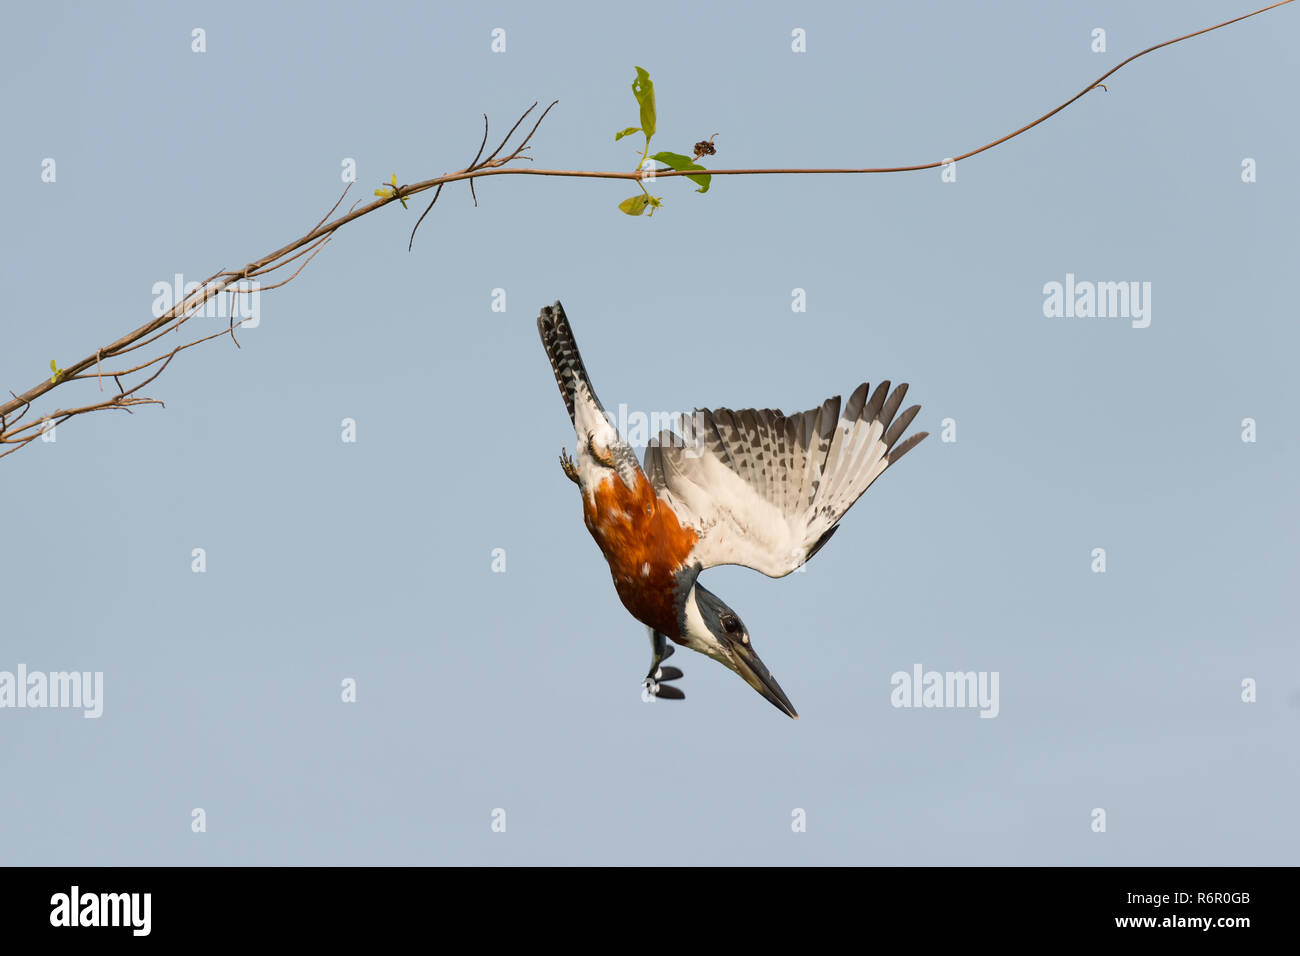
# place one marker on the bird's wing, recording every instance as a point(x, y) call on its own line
point(766, 490)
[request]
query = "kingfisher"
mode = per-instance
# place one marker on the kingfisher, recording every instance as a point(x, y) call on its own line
point(752, 487)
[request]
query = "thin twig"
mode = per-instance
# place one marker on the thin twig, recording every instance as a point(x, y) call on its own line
point(473, 163)
point(488, 161)
point(422, 215)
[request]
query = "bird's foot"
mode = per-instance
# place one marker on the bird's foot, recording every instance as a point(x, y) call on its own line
point(661, 688)
point(602, 457)
point(656, 682)
point(567, 464)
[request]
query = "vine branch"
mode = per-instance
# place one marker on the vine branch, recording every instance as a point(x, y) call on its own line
point(18, 435)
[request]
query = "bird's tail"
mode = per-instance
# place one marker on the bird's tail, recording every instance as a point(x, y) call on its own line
point(562, 350)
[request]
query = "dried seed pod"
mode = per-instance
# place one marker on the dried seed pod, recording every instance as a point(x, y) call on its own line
point(705, 147)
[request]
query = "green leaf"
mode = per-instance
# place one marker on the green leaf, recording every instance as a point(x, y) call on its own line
point(58, 372)
point(634, 206)
point(627, 132)
point(387, 192)
point(644, 91)
point(680, 162)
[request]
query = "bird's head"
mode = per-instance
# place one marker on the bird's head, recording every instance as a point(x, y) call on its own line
point(709, 626)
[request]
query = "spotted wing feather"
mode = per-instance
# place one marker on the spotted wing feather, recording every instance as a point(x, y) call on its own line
point(767, 490)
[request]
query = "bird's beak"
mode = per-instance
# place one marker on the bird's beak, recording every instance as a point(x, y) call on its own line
point(756, 676)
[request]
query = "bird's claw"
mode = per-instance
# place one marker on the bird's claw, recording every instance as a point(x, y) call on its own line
point(607, 460)
point(664, 691)
point(566, 463)
point(656, 682)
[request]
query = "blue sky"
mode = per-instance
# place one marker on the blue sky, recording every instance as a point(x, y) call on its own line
point(373, 560)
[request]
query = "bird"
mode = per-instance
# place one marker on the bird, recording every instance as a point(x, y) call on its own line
point(752, 487)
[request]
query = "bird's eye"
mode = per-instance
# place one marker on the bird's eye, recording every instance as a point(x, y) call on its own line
point(730, 623)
